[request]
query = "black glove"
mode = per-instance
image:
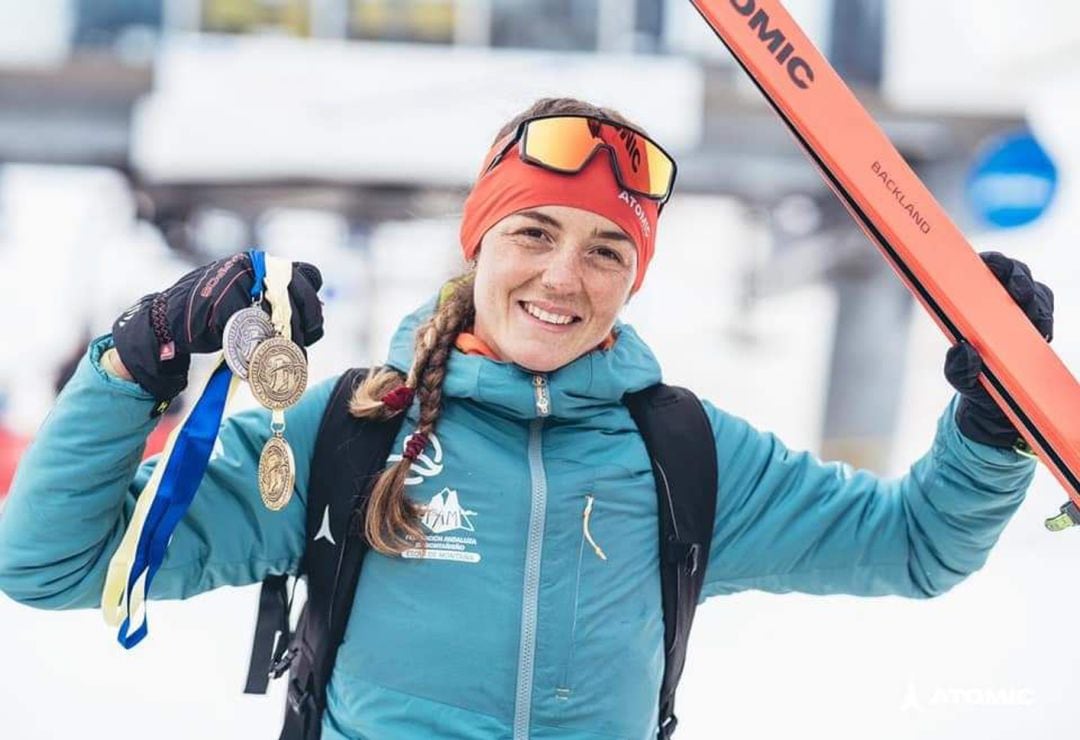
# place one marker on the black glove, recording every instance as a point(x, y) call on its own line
point(978, 417)
point(157, 336)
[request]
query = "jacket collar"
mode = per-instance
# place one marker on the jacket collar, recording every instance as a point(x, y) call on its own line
point(596, 380)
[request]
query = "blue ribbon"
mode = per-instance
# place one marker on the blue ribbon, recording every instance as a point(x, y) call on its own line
point(184, 471)
point(258, 263)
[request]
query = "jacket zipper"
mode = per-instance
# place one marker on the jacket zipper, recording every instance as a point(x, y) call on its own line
point(533, 550)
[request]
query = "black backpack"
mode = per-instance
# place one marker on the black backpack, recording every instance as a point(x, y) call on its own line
point(349, 455)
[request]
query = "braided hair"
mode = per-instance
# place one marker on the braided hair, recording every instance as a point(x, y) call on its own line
point(392, 522)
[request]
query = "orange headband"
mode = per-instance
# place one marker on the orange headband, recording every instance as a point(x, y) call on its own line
point(515, 185)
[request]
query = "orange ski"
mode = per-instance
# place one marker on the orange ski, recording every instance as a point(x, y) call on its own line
point(925, 248)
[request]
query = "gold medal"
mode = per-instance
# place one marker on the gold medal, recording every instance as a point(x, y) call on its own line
point(277, 472)
point(277, 373)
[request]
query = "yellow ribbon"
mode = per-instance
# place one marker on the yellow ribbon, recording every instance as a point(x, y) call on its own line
point(114, 603)
point(278, 277)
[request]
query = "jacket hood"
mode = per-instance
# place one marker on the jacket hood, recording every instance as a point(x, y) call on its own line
point(595, 380)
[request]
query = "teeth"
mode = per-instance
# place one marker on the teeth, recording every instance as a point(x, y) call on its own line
point(551, 318)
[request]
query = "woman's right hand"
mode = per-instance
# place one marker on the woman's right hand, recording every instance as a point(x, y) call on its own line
point(156, 337)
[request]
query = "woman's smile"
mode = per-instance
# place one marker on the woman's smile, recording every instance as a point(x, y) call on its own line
point(550, 319)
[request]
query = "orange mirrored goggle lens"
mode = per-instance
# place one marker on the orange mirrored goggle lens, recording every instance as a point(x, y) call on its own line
point(566, 143)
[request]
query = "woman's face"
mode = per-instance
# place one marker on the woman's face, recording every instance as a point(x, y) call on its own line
point(550, 281)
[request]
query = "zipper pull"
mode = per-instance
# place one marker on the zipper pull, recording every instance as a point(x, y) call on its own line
point(585, 527)
point(543, 400)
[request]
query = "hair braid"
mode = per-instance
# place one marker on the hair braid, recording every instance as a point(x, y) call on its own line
point(392, 522)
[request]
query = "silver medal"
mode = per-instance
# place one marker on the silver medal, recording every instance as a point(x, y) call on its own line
point(244, 331)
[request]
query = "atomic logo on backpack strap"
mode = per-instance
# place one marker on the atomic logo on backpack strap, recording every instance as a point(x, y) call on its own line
point(324, 532)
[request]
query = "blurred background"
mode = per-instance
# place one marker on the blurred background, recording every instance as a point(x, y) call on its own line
point(140, 138)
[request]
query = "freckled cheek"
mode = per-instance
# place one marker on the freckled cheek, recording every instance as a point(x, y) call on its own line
point(494, 303)
point(509, 280)
point(485, 302)
point(607, 298)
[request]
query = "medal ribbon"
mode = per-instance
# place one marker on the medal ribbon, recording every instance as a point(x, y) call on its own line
point(278, 277)
point(166, 497)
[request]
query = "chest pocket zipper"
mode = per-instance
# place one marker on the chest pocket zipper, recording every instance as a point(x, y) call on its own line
point(562, 691)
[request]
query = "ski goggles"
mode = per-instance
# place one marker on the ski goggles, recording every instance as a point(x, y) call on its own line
point(566, 143)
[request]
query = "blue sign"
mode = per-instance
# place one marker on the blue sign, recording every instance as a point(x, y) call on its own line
point(1012, 182)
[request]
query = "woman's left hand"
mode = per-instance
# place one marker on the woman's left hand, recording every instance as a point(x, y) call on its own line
point(977, 415)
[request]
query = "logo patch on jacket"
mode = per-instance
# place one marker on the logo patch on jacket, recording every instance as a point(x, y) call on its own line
point(450, 530)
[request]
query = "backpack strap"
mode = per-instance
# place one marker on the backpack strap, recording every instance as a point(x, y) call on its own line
point(680, 442)
point(271, 633)
point(349, 455)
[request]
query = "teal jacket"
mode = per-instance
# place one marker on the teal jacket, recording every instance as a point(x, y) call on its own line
point(527, 618)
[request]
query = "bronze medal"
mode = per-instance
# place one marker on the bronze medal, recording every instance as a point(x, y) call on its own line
point(277, 473)
point(277, 373)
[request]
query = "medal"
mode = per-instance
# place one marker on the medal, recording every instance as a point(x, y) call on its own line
point(244, 331)
point(277, 472)
point(277, 373)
